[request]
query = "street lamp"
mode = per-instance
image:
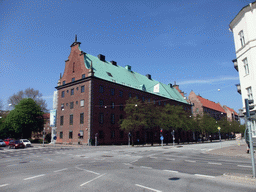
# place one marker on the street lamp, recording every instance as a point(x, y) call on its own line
point(43, 136)
point(219, 135)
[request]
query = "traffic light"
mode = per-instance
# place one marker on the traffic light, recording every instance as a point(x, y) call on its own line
point(161, 132)
point(249, 107)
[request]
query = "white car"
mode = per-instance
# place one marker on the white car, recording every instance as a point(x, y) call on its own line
point(2, 143)
point(26, 142)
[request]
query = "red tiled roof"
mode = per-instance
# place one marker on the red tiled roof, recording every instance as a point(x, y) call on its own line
point(46, 115)
point(210, 104)
point(232, 110)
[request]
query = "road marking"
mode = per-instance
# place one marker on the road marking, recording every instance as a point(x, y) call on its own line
point(4, 185)
point(171, 171)
point(92, 180)
point(244, 166)
point(209, 176)
point(127, 164)
point(190, 161)
point(168, 159)
point(34, 177)
point(214, 163)
point(147, 188)
point(12, 165)
point(61, 170)
point(134, 161)
point(153, 157)
point(146, 167)
point(88, 171)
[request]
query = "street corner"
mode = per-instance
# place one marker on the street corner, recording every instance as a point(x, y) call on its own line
point(240, 178)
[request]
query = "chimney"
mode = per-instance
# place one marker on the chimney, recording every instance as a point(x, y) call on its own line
point(148, 76)
point(101, 57)
point(128, 67)
point(113, 63)
point(170, 85)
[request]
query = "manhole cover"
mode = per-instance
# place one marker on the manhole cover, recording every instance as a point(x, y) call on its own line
point(174, 178)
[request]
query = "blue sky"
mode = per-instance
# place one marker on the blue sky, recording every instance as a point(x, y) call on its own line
point(184, 41)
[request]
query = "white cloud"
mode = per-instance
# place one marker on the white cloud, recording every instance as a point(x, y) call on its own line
point(206, 81)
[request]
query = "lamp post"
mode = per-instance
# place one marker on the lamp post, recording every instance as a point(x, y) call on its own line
point(173, 137)
point(129, 139)
point(219, 135)
point(96, 139)
point(43, 136)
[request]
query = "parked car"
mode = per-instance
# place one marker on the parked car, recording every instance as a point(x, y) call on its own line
point(7, 141)
point(2, 143)
point(26, 142)
point(16, 144)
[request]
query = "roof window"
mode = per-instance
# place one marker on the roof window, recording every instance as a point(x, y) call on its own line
point(109, 74)
point(101, 57)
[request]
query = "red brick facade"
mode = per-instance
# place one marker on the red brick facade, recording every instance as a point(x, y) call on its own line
point(104, 103)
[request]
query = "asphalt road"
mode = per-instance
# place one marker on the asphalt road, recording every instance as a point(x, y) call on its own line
point(121, 168)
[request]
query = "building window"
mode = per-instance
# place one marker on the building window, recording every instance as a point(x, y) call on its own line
point(101, 103)
point(71, 105)
point(130, 95)
point(76, 102)
point(82, 103)
point(112, 118)
point(121, 107)
point(62, 106)
point(70, 135)
point(82, 89)
point(121, 117)
point(61, 135)
point(81, 134)
point(101, 134)
point(101, 118)
point(159, 102)
point(63, 94)
point(154, 101)
point(112, 134)
point(73, 79)
point(246, 67)
point(72, 92)
point(143, 99)
point(137, 97)
point(61, 120)
point(81, 118)
point(112, 105)
point(148, 99)
point(83, 76)
point(112, 91)
point(120, 93)
point(241, 35)
point(249, 93)
point(101, 90)
point(64, 82)
point(71, 119)
point(121, 134)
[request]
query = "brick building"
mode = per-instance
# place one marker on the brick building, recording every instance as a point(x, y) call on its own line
point(231, 113)
point(202, 105)
point(92, 94)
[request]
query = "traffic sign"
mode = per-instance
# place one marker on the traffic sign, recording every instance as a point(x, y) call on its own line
point(161, 138)
point(55, 137)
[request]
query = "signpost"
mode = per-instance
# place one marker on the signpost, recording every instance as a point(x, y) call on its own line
point(96, 139)
point(173, 138)
point(162, 140)
point(129, 138)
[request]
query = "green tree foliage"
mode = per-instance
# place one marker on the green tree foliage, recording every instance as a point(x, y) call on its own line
point(135, 116)
point(25, 118)
point(207, 124)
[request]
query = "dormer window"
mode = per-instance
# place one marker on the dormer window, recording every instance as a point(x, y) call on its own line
point(109, 74)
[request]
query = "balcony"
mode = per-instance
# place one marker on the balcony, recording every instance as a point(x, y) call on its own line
point(235, 64)
point(238, 88)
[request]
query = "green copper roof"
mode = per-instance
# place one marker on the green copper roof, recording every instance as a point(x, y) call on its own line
point(121, 75)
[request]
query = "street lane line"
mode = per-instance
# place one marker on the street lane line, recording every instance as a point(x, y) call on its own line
point(170, 159)
point(244, 166)
point(153, 157)
point(146, 167)
point(4, 185)
point(88, 171)
point(34, 177)
point(190, 161)
point(148, 188)
point(92, 180)
point(209, 176)
point(171, 171)
point(12, 165)
point(60, 170)
point(214, 163)
point(134, 161)
point(127, 164)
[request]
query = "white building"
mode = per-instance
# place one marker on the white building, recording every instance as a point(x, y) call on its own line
point(243, 27)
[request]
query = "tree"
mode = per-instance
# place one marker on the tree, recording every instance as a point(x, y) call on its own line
point(25, 118)
point(29, 93)
point(207, 124)
point(134, 119)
